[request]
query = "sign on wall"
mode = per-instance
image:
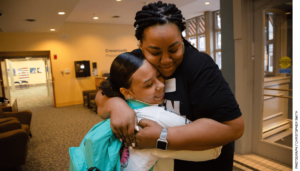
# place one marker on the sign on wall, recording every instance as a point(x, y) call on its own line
point(13, 70)
point(32, 70)
point(23, 74)
point(39, 70)
point(114, 52)
point(285, 62)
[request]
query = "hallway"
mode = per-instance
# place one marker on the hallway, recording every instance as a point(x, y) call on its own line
point(32, 97)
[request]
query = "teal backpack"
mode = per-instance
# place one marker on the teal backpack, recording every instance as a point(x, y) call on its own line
point(100, 148)
point(98, 151)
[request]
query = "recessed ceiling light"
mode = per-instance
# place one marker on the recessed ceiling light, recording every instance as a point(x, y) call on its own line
point(52, 29)
point(61, 13)
point(118, 0)
point(95, 18)
point(287, 13)
point(206, 3)
point(31, 20)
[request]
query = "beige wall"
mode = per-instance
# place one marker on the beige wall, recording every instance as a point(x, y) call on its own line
point(37, 78)
point(74, 42)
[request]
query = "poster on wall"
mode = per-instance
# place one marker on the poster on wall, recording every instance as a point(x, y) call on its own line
point(13, 70)
point(23, 74)
point(19, 70)
point(32, 70)
point(39, 70)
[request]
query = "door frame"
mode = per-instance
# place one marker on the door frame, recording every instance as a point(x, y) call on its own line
point(33, 54)
point(4, 79)
point(259, 146)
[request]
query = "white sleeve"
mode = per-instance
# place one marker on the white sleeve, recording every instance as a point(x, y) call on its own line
point(170, 119)
point(161, 116)
point(189, 155)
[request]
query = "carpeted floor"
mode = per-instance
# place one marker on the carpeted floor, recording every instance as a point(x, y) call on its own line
point(54, 130)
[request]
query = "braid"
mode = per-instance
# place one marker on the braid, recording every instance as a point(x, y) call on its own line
point(157, 13)
point(169, 9)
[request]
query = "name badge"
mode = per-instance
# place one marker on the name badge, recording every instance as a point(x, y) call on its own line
point(170, 85)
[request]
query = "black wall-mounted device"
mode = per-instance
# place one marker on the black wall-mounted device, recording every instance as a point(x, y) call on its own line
point(82, 69)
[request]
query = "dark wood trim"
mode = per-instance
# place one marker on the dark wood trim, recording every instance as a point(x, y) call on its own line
point(1, 82)
point(49, 57)
point(16, 54)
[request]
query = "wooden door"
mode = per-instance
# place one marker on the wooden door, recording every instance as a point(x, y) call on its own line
point(4, 82)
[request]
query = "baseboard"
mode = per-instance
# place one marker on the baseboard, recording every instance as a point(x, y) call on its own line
point(39, 84)
point(31, 85)
point(69, 103)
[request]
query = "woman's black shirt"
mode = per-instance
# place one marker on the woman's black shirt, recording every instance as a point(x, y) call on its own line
point(202, 92)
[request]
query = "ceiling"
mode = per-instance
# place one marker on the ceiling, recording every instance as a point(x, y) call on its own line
point(45, 12)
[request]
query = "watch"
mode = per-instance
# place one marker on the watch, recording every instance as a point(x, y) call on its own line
point(162, 142)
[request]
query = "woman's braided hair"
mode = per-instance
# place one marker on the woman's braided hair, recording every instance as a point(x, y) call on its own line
point(158, 13)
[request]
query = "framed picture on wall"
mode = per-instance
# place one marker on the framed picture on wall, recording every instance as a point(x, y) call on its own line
point(23, 75)
point(32, 70)
point(39, 70)
point(14, 70)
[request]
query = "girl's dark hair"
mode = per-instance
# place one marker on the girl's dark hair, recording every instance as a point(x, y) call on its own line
point(159, 13)
point(121, 70)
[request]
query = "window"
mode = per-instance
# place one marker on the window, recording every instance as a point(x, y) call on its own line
point(199, 33)
point(269, 44)
point(217, 38)
point(196, 32)
point(183, 34)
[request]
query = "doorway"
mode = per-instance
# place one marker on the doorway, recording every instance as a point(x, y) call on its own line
point(27, 77)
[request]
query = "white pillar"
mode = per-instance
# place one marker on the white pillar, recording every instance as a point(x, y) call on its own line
point(236, 21)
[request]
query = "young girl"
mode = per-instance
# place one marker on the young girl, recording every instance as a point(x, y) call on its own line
point(133, 78)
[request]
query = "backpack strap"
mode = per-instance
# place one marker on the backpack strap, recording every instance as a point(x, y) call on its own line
point(94, 169)
point(136, 104)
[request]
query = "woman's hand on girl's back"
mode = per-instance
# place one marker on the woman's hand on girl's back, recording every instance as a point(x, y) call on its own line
point(122, 121)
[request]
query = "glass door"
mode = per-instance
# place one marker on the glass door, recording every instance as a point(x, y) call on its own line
point(50, 81)
point(273, 135)
point(277, 113)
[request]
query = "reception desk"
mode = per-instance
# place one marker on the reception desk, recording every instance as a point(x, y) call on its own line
point(98, 80)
